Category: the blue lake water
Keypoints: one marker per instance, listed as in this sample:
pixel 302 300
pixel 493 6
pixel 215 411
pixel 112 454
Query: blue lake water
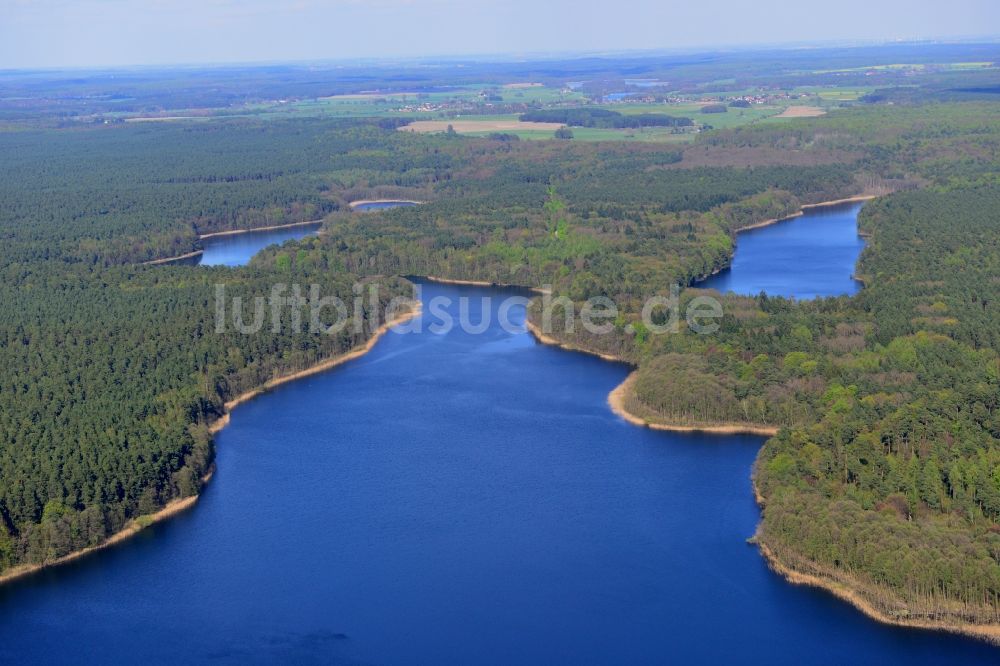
pixel 453 498
pixel 805 257
pixel 237 249
pixel 383 205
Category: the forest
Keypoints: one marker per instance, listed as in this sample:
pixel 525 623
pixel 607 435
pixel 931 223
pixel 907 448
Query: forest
pixel 111 372
pixel 886 402
pixel 110 380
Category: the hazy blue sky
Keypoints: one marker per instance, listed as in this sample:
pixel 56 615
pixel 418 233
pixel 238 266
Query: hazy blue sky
pixel 47 33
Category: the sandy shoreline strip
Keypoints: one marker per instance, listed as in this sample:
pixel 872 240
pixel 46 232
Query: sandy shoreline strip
pixel 769 222
pixel 133 527
pixel 275 227
pixel 989 632
pixel 617 397
pixel 483 283
pixel 364 202
pixel 802 209
pixel 167 260
pixel 231 232
pixel 322 366
pixel 549 340
pixel 834 202
pixel 177 506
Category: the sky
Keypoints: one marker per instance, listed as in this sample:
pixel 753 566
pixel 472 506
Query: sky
pixel 84 33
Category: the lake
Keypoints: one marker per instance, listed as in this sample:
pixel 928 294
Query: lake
pixel 803 257
pixel 454 498
pixel 237 249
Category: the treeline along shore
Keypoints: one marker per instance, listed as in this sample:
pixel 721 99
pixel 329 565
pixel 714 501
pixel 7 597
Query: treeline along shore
pixel 180 504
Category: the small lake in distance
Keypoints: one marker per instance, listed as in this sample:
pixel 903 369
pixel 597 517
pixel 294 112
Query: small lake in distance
pixel 803 257
pixel 237 249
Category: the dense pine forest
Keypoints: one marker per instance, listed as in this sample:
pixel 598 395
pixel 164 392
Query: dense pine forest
pixel 885 474
pixel 111 371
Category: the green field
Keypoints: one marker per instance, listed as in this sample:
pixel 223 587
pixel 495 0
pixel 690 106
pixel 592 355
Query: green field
pixel 408 104
pixel 481 101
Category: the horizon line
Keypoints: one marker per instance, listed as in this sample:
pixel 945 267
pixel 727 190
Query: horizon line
pixel 525 56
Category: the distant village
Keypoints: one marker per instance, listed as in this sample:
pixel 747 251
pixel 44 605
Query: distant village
pixel 490 102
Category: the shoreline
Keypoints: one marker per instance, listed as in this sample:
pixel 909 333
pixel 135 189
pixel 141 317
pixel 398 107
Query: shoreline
pixel 361 202
pixel 851 595
pixel 326 364
pixel 549 340
pixel 482 283
pixel 179 257
pixel 616 400
pixel 802 209
pixel 775 220
pixel 835 202
pixel 179 505
pixel 231 232
pixel 275 227
pixel 132 527
pixel 844 592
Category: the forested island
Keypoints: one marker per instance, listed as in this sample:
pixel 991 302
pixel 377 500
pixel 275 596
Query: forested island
pixel 883 477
